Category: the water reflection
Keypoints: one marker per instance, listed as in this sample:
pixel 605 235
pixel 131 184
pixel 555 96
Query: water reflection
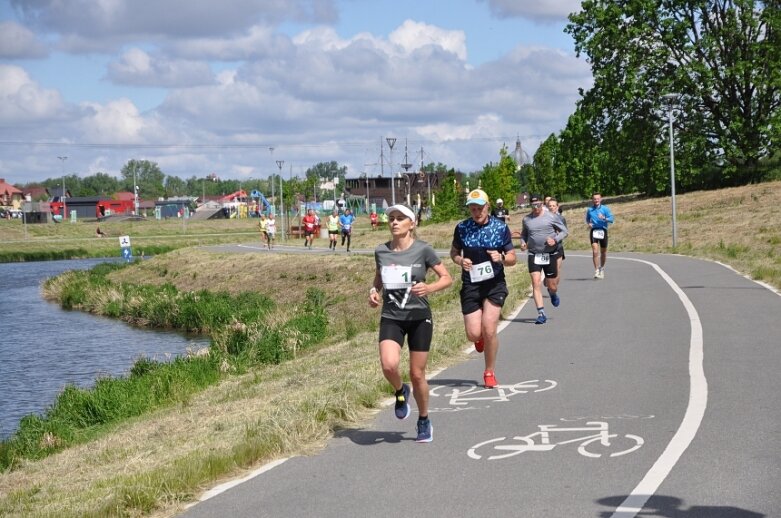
pixel 43 348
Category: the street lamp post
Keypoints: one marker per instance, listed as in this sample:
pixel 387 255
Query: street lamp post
pixel 671 100
pixel 135 191
pixel 391 142
pixel 280 163
pixel 62 196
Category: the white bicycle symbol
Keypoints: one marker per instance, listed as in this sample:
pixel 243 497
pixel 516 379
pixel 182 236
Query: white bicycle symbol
pixel 459 396
pixel 598 436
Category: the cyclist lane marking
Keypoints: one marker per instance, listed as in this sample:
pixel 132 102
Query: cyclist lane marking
pixel 695 409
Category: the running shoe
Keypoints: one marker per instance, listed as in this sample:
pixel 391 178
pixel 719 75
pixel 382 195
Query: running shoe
pixel 489 379
pixel 479 345
pixel 425 431
pixel 541 319
pixel 555 300
pixel 601 273
pixel 596 274
pixel 402 402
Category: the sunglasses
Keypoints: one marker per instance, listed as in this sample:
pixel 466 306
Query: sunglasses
pixel 537 205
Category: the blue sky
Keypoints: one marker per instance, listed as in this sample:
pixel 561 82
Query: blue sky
pixel 204 90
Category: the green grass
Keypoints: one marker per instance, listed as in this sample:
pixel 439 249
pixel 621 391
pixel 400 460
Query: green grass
pixel 241 335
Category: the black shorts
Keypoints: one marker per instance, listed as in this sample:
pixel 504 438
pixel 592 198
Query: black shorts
pixel 602 242
pixel 473 295
pixel 308 233
pixel 551 269
pixel 333 232
pixel 346 231
pixel 418 332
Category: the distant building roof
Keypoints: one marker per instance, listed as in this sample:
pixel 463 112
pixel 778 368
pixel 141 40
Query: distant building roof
pixel 6 189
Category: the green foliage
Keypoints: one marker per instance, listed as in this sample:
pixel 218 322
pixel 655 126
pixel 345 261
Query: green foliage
pixel 79 414
pixel 449 201
pixel 723 58
pixel 500 180
pixel 241 336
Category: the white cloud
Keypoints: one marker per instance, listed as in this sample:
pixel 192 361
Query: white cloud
pixel 19 42
pixel 116 122
pixel 413 35
pixel 136 67
pixel 129 19
pixel 23 101
pixel 541 11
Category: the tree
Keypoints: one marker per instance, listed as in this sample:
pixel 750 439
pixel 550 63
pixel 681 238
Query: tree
pixel 148 176
pixel 500 180
pixel 547 174
pixel 722 56
pixel 99 184
pixel 449 204
pixel 175 186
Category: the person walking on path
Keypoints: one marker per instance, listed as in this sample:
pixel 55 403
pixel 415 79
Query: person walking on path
pixel 271 230
pixel 263 230
pixel 598 217
pixel 309 221
pixel 482 247
pixel 401 266
pixel 333 229
pixel 500 212
pixel 541 234
pixel 346 221
pixel 553 207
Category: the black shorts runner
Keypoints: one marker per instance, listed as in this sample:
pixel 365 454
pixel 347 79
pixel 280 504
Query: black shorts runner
pixel 551 269
pixel 602 242
pixel 418 332
pixel 333 232
pixel 473 295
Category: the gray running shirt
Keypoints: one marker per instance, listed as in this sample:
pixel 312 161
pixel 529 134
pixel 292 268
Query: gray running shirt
pixel 537 230
pixel 400 270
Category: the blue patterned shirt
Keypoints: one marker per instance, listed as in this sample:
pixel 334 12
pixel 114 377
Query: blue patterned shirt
pixel 475 240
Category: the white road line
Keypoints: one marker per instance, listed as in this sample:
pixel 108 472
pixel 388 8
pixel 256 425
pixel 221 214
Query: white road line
pixel 695 410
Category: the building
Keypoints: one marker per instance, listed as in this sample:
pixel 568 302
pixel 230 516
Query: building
pixel 10 196
pixel 409 188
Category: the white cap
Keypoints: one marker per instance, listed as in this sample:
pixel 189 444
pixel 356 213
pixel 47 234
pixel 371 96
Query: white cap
pixel 403 209
pixel 499 201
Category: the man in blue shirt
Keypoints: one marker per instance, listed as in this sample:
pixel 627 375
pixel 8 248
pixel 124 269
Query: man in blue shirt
pixel 346 221
pixel 598 217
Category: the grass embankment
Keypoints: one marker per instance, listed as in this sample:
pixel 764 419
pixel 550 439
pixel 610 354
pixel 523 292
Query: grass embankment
pixel 151 463
pixel 48 241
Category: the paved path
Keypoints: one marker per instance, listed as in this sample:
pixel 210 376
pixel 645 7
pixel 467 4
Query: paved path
pixel 669 361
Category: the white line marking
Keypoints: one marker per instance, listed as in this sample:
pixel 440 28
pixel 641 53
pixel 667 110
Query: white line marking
pixel 233 483
pixel 695 410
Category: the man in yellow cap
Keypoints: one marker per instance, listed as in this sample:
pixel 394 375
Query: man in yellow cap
pixel 482 247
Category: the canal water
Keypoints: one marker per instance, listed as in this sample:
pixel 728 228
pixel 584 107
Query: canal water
pixel 43 347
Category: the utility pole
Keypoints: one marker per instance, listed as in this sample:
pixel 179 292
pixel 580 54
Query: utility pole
pixel 671 100
pixel 280 163
pixel 406 165
pixel 62 198
pixel 391 142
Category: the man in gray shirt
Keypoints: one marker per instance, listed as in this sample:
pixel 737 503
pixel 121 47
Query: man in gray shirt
pixel 541 234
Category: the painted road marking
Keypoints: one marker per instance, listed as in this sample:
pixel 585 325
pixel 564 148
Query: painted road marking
pixel 597 434
pixel 695 410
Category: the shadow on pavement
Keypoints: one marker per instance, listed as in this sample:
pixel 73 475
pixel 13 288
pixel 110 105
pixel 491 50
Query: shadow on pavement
pixel 371 437
pixel 672 507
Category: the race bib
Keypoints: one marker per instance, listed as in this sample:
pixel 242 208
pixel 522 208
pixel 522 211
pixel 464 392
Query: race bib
pixel 396 277
pixel 542 259
pixel 598 233
pixel 481 272
pixel 346 227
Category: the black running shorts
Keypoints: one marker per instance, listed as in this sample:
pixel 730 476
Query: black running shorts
pixel 418 332
pixel 473 295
